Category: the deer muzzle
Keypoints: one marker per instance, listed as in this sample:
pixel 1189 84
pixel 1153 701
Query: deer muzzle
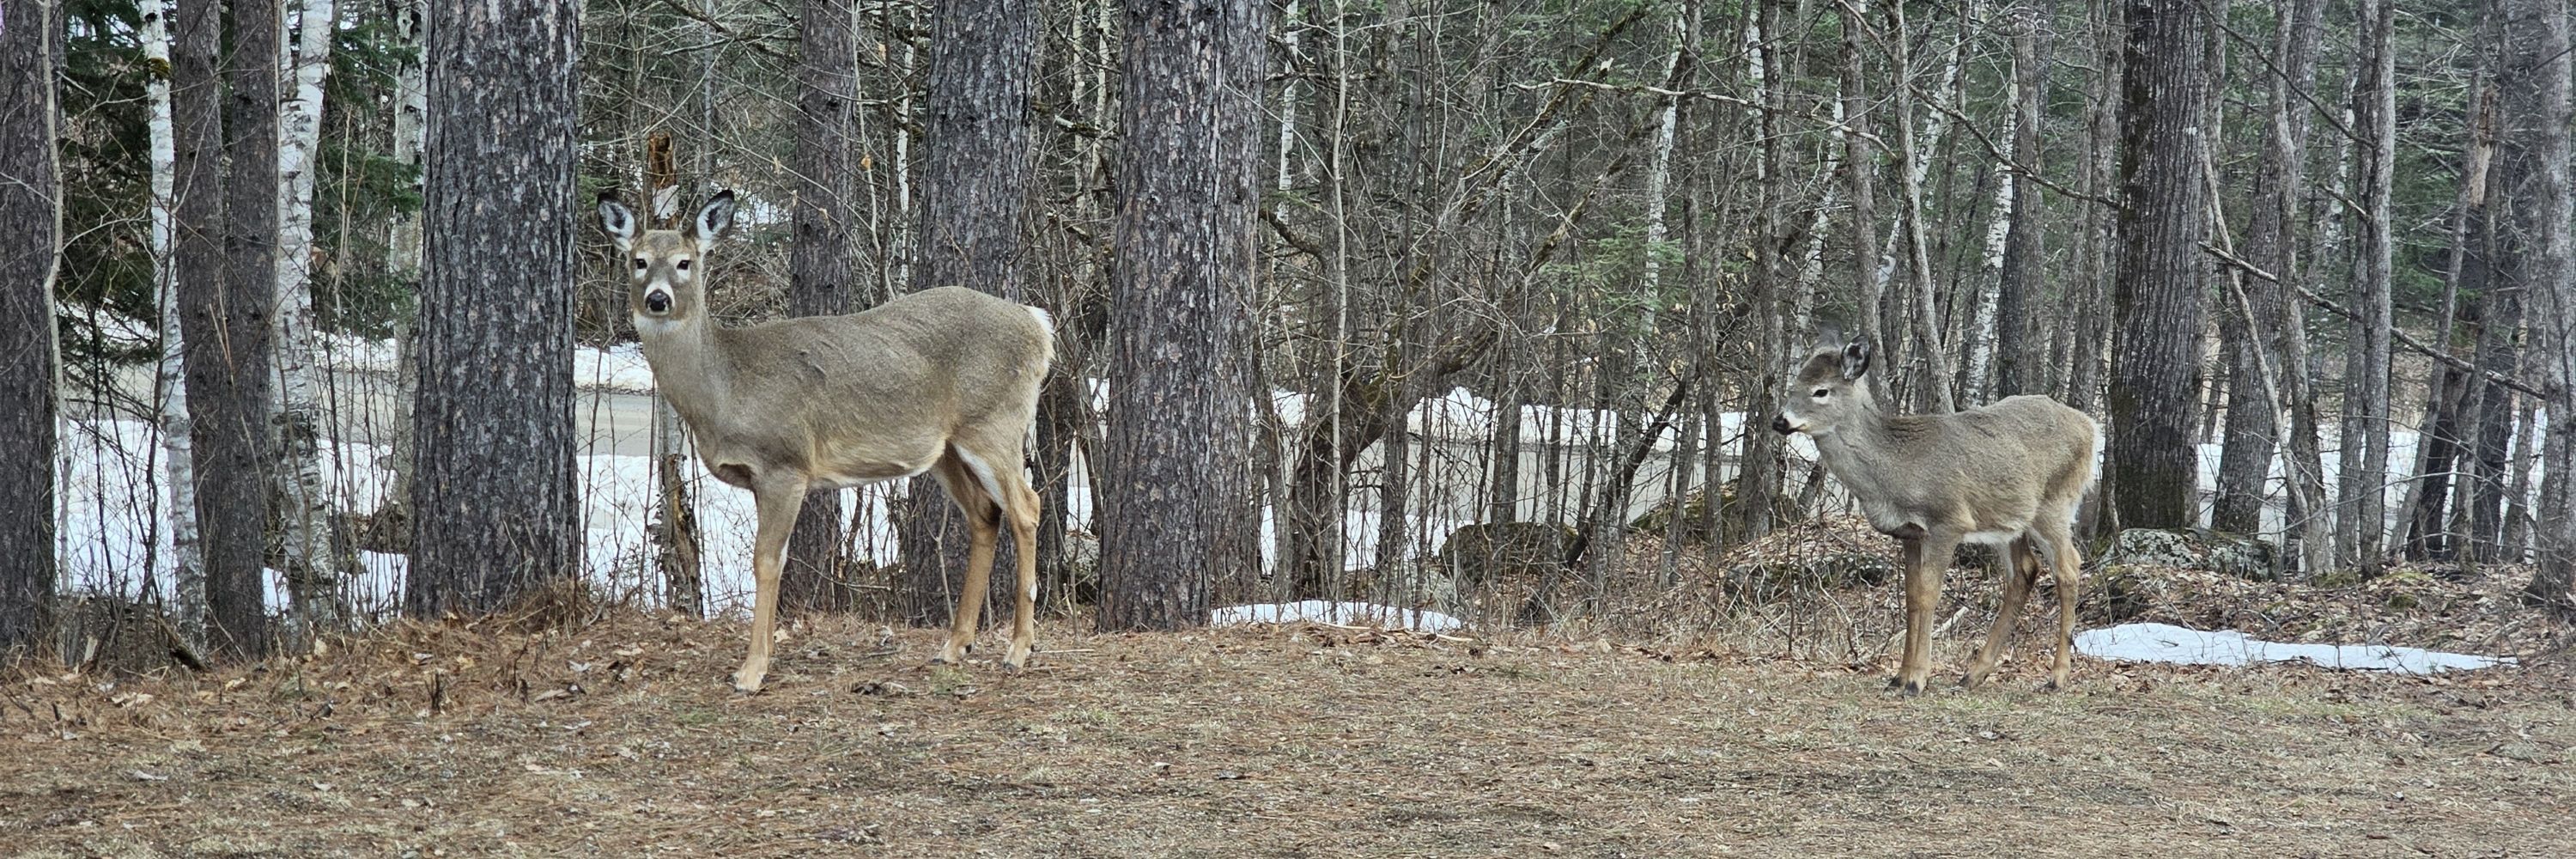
pixel 1780 424
pixel 657 301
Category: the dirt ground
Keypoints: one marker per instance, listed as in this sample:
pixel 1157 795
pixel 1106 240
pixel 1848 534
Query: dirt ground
pixel 619 738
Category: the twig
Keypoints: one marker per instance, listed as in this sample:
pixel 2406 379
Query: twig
pixel 2006 159
pixel 2398 333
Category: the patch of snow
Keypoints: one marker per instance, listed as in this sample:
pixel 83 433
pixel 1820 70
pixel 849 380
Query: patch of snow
pixel 619 367
pixel 1343 613
pixel 2159 642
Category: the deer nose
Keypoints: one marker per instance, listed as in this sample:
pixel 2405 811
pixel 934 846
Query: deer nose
pixel 1780 424
pixel 657 302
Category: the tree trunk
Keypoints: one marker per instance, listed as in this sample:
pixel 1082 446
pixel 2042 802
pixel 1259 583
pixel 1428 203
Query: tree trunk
pixel 2248 441
pixel 2536 115
pixel 497 520
pixel 2155 380
pixel 2362 492
pixel 2017 358
pixel 227 276
pixel 314 561
pixel 819 270
pixel 1177 457
pixel 2086 343
pixel 974 183
pixel 402 253
pixel 1860 166
pixel 30 361
pixel 170 390
pixel 1758 474
pixel 1934 394
pixel 2447 396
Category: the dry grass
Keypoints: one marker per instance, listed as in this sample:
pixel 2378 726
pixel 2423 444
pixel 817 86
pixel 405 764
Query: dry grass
pixel 619 738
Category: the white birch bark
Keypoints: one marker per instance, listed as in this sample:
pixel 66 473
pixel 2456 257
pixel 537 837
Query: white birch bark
pixel 1659 176
pixel 1288 25
pixel 1981 329
pixel 312 558
pixel 187 562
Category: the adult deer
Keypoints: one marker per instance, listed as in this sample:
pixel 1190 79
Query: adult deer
pixel 2008 474
pixel 943 381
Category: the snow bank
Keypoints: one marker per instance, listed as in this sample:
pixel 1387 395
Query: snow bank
pixel 619 367
pixel 1344 613
pixel 2158 642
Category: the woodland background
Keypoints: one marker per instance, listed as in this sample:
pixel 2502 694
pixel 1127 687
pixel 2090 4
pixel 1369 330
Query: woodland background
pixel 1474 299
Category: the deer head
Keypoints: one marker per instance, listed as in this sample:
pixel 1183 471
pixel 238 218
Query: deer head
pixel 1828 391
pixel 665 279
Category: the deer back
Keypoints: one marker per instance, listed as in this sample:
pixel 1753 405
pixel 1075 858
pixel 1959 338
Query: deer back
pixel 1986 470
pixel 879 393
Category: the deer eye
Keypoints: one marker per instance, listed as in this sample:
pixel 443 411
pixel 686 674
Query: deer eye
pixel 683 264
pixel 1820 393
pixel 639 263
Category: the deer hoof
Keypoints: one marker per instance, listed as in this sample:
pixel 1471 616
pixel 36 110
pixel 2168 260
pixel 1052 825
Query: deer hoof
pixel 747 684
pixel 1906 687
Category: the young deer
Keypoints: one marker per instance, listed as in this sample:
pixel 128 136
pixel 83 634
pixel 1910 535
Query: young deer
pixel 2008 474
pixel 943 381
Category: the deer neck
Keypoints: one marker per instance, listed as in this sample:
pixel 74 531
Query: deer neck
pixel 1861 453
pixel 688 367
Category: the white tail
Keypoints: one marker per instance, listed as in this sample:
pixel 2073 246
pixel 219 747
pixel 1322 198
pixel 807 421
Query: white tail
pixel 2008 474
pixel 943 381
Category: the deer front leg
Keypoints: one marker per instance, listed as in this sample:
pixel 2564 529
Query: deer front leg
pixel 777 501
pixel 1925 560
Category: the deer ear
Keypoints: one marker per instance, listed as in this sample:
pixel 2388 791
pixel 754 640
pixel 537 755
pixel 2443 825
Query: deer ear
pixel 1855 358
pixel 715 216
pixel 616 221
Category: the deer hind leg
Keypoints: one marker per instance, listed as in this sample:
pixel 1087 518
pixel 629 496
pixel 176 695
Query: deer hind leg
pixel 982 521
pixel 777 500
pixel 2060 553
pixel 1022 514
pixel 1926 559
pixel 2019 570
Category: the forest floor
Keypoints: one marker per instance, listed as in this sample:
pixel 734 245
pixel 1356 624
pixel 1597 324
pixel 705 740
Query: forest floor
pixel 620 738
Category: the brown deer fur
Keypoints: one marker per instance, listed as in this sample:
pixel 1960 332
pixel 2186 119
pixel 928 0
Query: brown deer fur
pixel 2009 474
pixel 943 381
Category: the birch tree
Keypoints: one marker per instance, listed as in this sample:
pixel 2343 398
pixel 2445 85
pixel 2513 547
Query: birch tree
pixel 313 555
pixel 402 254
pixel 170 389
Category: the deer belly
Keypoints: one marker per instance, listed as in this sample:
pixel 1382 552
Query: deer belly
pixel 1997 539
pixel 853 478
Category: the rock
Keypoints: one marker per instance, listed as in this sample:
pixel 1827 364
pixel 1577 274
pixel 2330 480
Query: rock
pixel 1082 566
pixel 1694 512
pixel 1410 583
pixel 2238 555
pixel 1768 581
pixel 1488 552
pixel 115 635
